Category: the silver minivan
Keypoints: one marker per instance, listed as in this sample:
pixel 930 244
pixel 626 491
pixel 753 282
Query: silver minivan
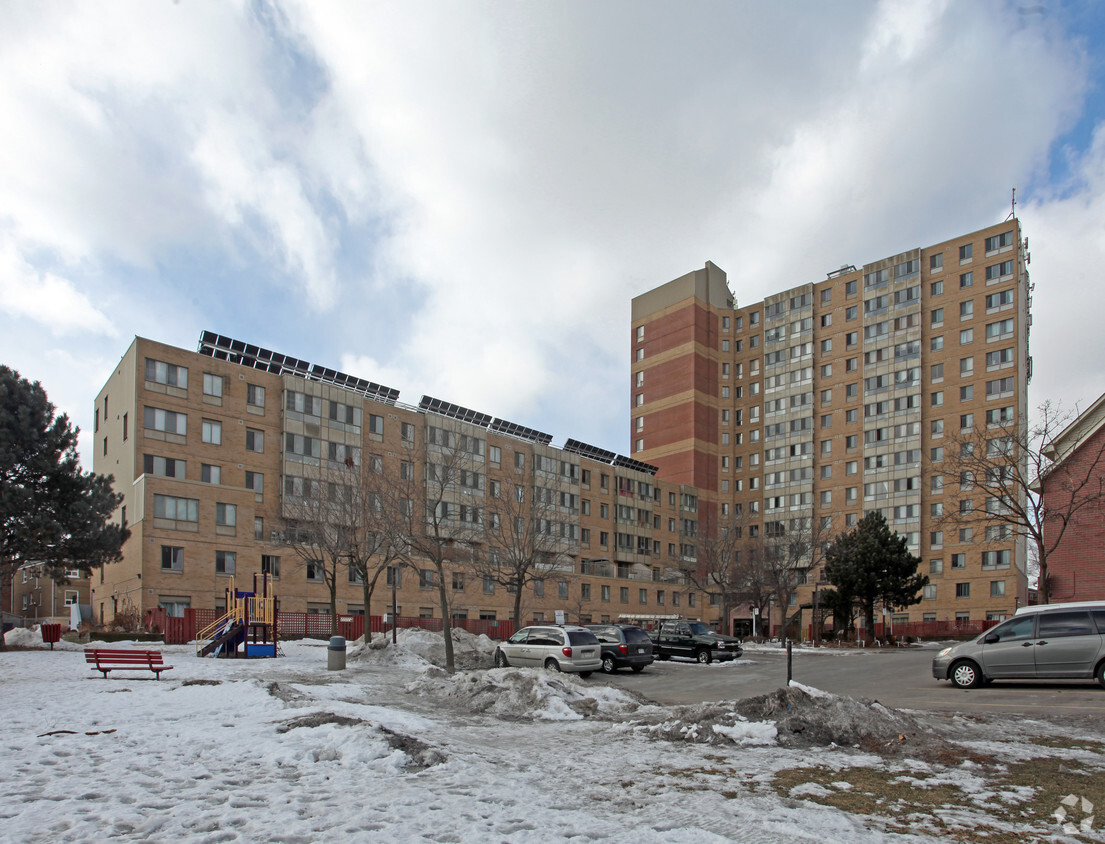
pixel 556 648
pixel 1043 642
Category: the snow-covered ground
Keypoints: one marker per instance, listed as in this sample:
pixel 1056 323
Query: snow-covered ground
pixel 285 750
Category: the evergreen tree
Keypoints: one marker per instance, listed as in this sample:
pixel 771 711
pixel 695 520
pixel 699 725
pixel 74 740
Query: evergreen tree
pixel 872 564
pixel 52 513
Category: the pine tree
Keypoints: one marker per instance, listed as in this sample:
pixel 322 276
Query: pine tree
pixel 873 565
pixel 52 513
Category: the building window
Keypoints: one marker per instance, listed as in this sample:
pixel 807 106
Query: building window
pixel 212 432
pixel 172 558
pixel 226 515
pixel 168 374
pixel 210 474
pixel 270 565
pixel 176 509
pixel 963 590
pixel 166 421
pixel 212 385
pixel 426 578
pixel 255 440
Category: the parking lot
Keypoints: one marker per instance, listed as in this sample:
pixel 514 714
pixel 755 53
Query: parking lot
pixel 898 677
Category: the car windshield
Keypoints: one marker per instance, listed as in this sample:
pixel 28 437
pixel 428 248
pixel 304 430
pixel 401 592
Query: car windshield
pixel 699 629
pixel 636 635
pixel 582 637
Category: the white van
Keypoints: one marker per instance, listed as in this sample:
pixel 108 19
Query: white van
pixel 1042 642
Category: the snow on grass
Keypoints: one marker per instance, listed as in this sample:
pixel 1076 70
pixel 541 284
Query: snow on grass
pixel 285 750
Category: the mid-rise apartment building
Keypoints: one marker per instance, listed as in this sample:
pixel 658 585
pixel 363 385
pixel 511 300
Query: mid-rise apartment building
pixel 214 449
pixel 839 396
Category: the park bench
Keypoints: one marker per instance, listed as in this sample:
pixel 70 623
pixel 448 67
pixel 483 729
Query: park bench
pixel 106 659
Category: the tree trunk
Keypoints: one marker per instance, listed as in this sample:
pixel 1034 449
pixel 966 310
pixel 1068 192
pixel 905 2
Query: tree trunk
pixel 446 622
pixel 517 609
pixel 367 586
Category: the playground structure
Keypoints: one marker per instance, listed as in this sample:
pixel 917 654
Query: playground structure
pixel 248 629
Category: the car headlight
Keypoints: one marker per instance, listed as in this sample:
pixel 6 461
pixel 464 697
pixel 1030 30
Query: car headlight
pixel 944 652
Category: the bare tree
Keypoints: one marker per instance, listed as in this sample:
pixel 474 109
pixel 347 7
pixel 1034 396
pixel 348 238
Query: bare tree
pixel 1004 462
pixel 790 549
pixel 727 563
pixel 525 538
pixel 316 507
pixel 436 517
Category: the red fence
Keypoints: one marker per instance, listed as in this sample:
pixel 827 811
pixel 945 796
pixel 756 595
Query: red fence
pixel 947 629
pixel 300 625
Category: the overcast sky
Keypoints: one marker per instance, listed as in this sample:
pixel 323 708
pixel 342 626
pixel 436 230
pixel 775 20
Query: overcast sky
pixel 461 199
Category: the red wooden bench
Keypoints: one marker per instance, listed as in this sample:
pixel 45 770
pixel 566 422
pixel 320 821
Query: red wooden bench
pixel 106 659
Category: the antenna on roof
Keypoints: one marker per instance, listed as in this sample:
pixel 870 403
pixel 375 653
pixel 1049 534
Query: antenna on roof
pixel 1013 212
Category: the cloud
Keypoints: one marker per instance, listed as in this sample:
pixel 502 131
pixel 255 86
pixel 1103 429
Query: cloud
pixel 462 200
pixel 53 302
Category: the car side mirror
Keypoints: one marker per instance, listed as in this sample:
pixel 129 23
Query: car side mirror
pixel 991 638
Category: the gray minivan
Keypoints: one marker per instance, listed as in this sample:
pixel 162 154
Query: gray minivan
pixel 1043 642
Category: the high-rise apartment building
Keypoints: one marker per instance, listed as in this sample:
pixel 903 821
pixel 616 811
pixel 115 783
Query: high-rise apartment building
pixel 836 397
pixel 215 451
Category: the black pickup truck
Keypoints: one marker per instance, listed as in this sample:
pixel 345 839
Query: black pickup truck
pixel 693 639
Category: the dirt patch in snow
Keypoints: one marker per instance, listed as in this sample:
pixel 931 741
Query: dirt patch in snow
pixel 798 717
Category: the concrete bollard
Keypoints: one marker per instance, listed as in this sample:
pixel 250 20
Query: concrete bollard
pixel 335 654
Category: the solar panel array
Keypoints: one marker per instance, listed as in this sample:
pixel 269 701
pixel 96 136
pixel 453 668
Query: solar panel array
pixel 635 465
pixel 483 420
pixel 235 351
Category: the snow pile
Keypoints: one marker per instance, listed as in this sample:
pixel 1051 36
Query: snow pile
pixel 31 637
pixel 524 694
pixel 415 646
pixel 797 717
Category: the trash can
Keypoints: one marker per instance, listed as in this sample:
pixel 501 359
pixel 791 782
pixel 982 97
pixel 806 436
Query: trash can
pixel 335 654
pixel 51 633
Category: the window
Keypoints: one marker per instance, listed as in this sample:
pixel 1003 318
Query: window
pixel 936 343
pixel 375 424
pixel 998 272
pixel 1000 387
pixel 166 421
pixel 255 395
pixel 168 374
pixel 966 392
pixel 995 559
pixel 936 399
pixel 303 403
pixel 226 515
pixel 936 262
pixel 966 309
pixel 270 564
pixel 176 509
pixel 562 590
pixel 172 558
pixel 963 590
pixel 168 467
pixel 255 440
pixel 930 592
pixel 965 252
pixel 212 385
pixel 937 317
pixel 936 372
pixel 999 330
pixel 406 432
pixel 210 474
pixel 426 578
pixel 959 561
pixel 851 365
pixel 212 432
pixel 255 481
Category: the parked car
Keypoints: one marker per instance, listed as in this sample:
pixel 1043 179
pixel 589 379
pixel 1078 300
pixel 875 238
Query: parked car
pixel 623 646
pixel 553 647
pixel 695 640
pixel 1047 641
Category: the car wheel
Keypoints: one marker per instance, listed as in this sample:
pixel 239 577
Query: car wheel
pixel 704 657
pixel 552 665
pixel 608 665
pixel 584 674
pixel 965 674
pixel 1100 673
pixel 500 660
pixel 637 669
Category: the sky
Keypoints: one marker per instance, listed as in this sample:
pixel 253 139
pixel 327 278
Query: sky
pixel 460 200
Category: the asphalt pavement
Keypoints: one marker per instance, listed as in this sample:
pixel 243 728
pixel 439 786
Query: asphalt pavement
pixel 897 677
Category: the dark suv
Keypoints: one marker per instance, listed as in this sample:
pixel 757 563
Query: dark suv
pixel 623 646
